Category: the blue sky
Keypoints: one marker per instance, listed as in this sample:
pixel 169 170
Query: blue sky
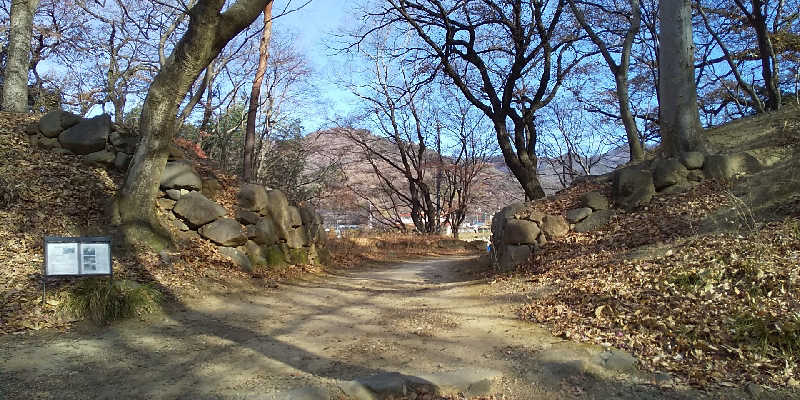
pixel 313 27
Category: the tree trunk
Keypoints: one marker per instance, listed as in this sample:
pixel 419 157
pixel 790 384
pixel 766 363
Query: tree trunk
pixel 15 80
pixel 248 170
pixel 680 128
pixel 631 130
pixel 523 166
pixel 208 32
pixel 769 68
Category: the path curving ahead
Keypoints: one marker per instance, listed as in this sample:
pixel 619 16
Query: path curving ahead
pixel 366 333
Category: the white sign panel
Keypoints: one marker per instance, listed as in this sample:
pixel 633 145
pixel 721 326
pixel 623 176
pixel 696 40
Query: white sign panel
pixel 62 259
pixel 77 256
pixel 95 259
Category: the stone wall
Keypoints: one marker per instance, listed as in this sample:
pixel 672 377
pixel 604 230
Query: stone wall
pixel 266 232
pixel 519 229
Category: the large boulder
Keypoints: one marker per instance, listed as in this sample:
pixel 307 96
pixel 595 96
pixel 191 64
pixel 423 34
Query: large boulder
pixel 102 158
pixel 517 231
pixel 255 253
pixel 55 122
pixel 669 172
pixel 633 188
pixel 578 214
pixel 88 136
pixel 197 210
pixel 225 232
pixel 240 259
pixel 510 256
pixel 247 217
pixel 594 221
pixel 278 209
pixel 554 226
pixel 594 200
pixel 295 219
pixel 693 159
pixel 727 166
pixel 312 222
pixel 124 144
pixel 211 187
pixel 266 232
pixel 252 197
pixel 180 175
pixel 121 161
pixel 297 238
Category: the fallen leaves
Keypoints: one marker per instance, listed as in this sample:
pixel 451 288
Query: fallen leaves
pixel 708 309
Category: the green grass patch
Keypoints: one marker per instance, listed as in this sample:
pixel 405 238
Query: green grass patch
pixel 102 302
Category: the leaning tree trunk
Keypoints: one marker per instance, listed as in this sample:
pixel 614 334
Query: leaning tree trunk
pixel 15 76
pixel 208 32
pixel 249 170
pixel 522 165
pixel 680 128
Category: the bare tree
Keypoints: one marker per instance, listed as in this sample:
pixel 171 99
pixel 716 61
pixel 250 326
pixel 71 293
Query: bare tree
pixel 632 17
pixel 508 59
pixel 248 169
pixel 208 31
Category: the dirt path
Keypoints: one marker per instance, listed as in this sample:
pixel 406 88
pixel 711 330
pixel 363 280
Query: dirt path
pixel 306 339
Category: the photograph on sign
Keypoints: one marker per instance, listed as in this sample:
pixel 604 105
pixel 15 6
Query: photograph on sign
pixel 62 259
pixel 95 258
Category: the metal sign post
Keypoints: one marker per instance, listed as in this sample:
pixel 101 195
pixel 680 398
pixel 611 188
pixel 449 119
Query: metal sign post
pixel 76 256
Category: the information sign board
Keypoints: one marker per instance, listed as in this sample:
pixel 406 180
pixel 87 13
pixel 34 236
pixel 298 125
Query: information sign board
pixel 77 256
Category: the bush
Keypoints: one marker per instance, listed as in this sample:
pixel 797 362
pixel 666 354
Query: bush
pixel 102 302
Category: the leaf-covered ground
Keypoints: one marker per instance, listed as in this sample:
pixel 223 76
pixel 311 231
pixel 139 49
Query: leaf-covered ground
pixel 47 193
pixel 713 308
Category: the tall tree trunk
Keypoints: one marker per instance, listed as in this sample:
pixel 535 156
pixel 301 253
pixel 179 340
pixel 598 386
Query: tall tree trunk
pixel 769 67
pixel 15 80
pixel 680 128
pixel 248 170
pixel 631 130
pixel 522 165
pixel 208 32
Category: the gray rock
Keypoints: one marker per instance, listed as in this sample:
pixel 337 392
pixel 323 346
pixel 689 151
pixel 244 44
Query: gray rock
pixel 594 221
pixel 121 161
pixel 48 143
pixel 633 187
pixel 211 187
pixel 165 204
pixel 125 144
pixel 278 210
pixel 305 393
pixel 197 210
pixel 250 231
pixel 32 129
pixel 266 232
pixel 594 200
pixel 102 158
pixel 178 224
pixel 693 160
pixel 554 226
pixel 531 215
pixel 678 187
pixel 470 382
pixel 385 385
pixel 175 153
pixel 512 209
pixel 174 194
pixel 520 232
pixel 238 258
pixel 728 166
pixel 253 197
pixel 541 240
pixel 295 220
pixel 88 136
pixel 312 222
pixel 617 360
pixel 180 175
pixel 510 256
pixel 668 172
pixel 297 238
pixel 695 175
pixel 255 253
pixel 247 217
pixel 225 232
pixel 55 122
pixel 578 214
